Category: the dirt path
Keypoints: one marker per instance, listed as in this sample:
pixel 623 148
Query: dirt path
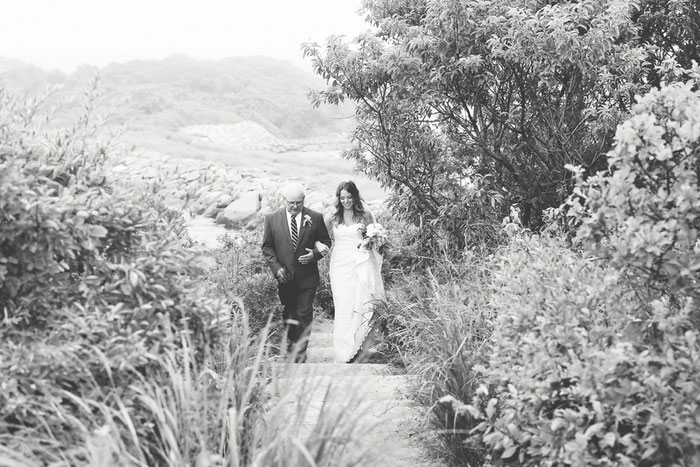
pixel 372 397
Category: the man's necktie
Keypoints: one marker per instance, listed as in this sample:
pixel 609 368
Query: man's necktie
pixel 295 233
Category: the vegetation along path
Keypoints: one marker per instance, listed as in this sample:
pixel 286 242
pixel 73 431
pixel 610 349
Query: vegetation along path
pixel 369 400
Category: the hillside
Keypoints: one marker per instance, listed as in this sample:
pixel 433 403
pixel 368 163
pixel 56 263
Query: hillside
pixel 161 96
pixel 236 114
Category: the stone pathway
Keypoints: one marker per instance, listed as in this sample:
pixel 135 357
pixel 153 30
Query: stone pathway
pixel 387 422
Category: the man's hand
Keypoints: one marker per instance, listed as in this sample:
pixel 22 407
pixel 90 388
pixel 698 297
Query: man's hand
pixel 308 257
pixel 283 276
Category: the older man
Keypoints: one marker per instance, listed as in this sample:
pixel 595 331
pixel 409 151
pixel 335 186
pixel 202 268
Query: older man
pixel 289 248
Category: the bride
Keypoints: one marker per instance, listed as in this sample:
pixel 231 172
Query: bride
pixel 355 273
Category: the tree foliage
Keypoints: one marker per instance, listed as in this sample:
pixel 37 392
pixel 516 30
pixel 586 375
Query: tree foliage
pixel 670 30
pixel 511 90
pixel 598 364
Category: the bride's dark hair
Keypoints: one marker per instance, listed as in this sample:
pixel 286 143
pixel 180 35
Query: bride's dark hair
pixel 358 209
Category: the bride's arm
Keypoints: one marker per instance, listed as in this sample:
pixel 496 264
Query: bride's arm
pixel 328 220
pixel 324 248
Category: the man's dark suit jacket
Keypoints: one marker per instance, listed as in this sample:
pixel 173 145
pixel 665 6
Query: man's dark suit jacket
pixel 277 245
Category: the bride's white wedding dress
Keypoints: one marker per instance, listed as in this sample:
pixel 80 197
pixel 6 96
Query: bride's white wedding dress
pixel 356 283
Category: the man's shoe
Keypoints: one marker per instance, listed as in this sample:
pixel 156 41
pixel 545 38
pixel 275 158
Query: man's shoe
pixel 300 358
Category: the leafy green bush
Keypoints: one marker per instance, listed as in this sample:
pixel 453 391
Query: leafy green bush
pixel 643 216
pixel 95 289
pixel 242 276
pixel 565 382
pixel 324 294
pixel 597 365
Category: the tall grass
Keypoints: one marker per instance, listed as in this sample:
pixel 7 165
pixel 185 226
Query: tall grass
pixel 235 410
pixel 439 320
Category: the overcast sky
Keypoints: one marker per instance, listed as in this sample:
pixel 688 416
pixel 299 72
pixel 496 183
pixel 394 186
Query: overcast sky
pixel 64 34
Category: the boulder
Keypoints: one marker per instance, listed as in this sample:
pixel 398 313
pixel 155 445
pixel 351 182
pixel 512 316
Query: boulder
pixel 224 200
pixel 149 173
pixel 328 211
pixel 209 197
pixel 255 223
pixel 200 191
pixel 241 211
pixel 212 210
pixel 315 200
pixel 266 209
pixel 376 207
pixel 174 204
pixel 191 176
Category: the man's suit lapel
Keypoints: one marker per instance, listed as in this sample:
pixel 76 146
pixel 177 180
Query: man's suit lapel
pixel 285 226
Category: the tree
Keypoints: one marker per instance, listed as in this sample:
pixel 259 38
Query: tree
pixel 509 90
pixel 671 30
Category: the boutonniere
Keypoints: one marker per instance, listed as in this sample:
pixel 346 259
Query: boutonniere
pixel 307 220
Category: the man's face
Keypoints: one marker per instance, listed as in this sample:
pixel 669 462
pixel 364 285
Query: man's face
pixel 294 204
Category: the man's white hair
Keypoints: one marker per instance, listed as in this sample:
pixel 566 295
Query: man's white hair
pixel 292 190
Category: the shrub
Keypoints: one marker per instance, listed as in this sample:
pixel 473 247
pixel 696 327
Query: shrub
pixel 565 384
pixel 596 365
pixel 96 291
pixel 242 276
pixel 643 216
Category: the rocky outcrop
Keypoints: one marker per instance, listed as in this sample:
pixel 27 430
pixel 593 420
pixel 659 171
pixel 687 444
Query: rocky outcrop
pixel 241 211
pixel 235 198
pixel 241 135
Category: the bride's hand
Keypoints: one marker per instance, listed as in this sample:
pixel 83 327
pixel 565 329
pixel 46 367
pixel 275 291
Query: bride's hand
pixel 322 248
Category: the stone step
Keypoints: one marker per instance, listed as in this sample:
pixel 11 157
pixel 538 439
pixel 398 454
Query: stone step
pixel 356 370
pixel 376 405
pixel 321 339
pixel 370 402
pixel 315 354
pixel 322 326
pixel 370 387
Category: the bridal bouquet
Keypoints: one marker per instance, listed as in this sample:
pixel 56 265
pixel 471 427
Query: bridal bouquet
pixel 374 237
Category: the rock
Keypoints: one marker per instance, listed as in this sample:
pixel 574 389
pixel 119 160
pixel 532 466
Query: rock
pixel 255 223
pixel 212 210
pixel 149 172
pixel 224 200
pixel 192 175
pixel 316 200
pixel 174 204
pixel 376 207
pixel 265 210
pixel 328 211
pixel 209 197
pixel 241 211
pixel 200 191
